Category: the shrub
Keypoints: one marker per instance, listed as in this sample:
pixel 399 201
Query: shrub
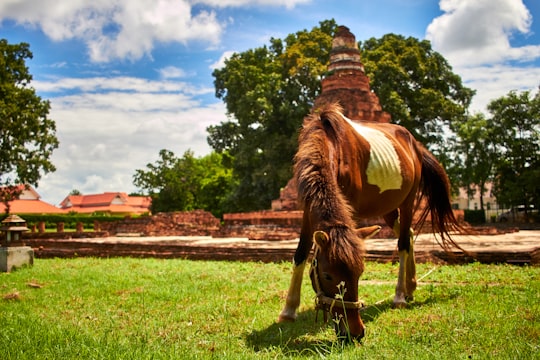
pixel 69 220
pixel 475 216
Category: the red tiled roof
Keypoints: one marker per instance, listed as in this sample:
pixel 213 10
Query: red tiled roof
pixel 93 199
pixel 140 201
pixel 31 207
pixel 28 202
pixel 111 202
pixel 121 209
pixel 27 192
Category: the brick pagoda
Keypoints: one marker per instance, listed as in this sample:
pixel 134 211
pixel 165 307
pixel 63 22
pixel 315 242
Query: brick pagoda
pixel 347 83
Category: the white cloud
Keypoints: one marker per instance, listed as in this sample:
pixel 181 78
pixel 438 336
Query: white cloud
pixel 479 31
pixel 497 80
pixel 118 83
pixel 171 72
pixel 475 37
pixel 122 101
pixel 289 4
pixel 221 62
pixel 108 132
pixel 116 29
pixel 122 29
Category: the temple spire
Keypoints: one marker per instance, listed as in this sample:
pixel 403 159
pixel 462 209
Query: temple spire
pixel 346 82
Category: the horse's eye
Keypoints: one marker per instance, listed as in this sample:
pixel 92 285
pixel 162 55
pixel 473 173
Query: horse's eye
pixel 327 277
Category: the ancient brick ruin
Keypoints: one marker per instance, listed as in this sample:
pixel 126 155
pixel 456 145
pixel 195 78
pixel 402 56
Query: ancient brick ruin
pixel 184 223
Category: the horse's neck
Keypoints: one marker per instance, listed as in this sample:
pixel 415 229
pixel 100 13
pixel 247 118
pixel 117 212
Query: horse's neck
pixel 326 201
pixel 317 171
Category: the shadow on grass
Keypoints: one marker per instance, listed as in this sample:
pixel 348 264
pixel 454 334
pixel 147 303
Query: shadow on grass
pixel 301 337
pixel 371 312
pixel 305 335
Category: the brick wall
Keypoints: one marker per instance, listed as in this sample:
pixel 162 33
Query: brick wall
pixel 181 223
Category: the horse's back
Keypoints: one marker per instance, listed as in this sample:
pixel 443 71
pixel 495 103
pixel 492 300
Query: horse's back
pixel 375 164
pixel 384 167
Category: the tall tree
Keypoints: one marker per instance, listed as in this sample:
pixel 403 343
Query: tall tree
pixel 27 135
pixel 267 92
pixel 516 132
pixel 186 183
pixel 477 155
pixel 416 85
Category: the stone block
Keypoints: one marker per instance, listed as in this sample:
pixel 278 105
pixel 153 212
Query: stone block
pixel 15 257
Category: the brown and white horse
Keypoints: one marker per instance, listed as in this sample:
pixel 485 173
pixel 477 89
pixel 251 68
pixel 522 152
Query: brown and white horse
pixel 346 170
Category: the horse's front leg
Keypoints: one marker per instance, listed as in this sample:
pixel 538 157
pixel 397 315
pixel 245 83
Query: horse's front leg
pixel 299 263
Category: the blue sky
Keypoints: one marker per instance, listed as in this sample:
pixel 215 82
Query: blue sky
pixel 127 78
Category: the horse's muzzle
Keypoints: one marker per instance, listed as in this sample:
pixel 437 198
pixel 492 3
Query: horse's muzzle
pixel 352 330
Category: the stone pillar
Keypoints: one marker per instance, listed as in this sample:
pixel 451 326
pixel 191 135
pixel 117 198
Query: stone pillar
pixel 79 227
pixel 11 254
pixel 15 257
pixel 41 227
pixel 60 227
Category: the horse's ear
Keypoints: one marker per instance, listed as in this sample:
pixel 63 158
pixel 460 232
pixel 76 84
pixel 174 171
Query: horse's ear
pixel 368 232
pixel 321 238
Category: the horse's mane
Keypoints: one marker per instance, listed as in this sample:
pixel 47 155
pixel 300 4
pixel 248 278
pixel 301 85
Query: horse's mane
pixel 320 141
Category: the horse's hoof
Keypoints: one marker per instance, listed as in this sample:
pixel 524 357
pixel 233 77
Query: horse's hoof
pixel 399 301
pixel 400 305
pixel 286 318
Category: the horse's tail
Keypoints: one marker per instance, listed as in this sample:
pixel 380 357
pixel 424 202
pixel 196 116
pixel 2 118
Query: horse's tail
pixel 435 196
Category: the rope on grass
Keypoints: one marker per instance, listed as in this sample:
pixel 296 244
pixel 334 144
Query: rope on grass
pixel 418 280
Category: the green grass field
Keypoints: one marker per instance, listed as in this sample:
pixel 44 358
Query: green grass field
pixel 125 308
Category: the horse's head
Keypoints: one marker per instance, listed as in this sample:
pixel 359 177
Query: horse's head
pixel 336 268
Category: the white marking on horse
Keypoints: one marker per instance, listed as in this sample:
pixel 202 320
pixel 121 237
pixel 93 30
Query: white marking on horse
pixel 384 168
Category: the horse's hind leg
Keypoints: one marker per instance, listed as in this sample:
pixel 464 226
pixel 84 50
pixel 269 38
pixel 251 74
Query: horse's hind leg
pixel 393 220
pixel 410 278
pixel 407 246
pixel 406 284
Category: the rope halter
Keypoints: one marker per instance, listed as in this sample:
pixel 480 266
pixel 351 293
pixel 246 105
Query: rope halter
pixel 325 303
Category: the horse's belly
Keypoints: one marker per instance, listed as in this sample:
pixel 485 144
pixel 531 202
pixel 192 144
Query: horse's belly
pixel 368 202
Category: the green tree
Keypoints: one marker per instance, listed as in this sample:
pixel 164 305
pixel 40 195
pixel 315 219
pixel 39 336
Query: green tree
pixel 267 92
pixel 186 183
pixel 477 155
pixel 416 85
pixel 516 132
pixel 216 185
pixel 27 135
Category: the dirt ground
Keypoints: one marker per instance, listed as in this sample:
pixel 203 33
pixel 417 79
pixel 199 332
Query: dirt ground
pixel 522 247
